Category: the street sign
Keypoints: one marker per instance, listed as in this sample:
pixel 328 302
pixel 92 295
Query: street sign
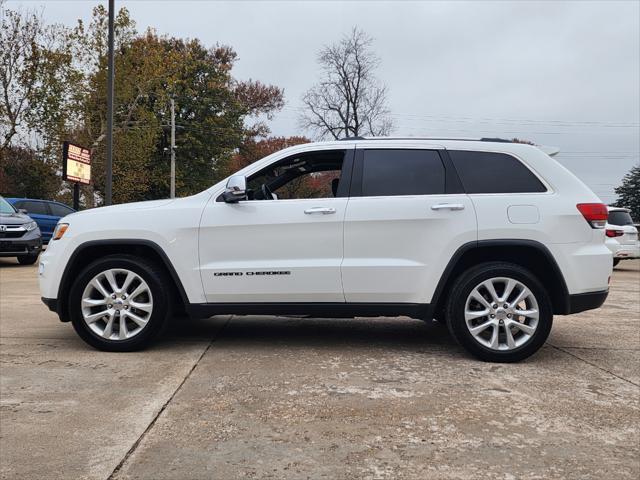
pixel 76 163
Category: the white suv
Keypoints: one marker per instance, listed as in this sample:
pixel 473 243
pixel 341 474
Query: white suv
pixel 622 235
pixel 490 236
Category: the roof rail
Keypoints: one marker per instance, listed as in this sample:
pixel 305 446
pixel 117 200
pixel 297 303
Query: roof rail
pixel 499 140
pixel 458 139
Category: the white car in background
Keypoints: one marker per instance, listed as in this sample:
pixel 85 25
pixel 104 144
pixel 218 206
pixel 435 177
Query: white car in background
pixel 622 235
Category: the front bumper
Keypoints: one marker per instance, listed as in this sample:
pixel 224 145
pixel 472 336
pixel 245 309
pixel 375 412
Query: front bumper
pixel 586 301
pixel 26 245
pixel 51 303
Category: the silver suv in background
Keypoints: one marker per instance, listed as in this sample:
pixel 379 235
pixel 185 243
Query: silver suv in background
pixel 20 236
pixel 622 235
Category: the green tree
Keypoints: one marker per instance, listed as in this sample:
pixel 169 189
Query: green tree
pixel 629 192
pixel 23 174
pixel 53 81
pixel 133 81
pixel 214 111
pixel 253 150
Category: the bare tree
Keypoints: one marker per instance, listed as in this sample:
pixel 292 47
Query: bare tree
pixel 348 101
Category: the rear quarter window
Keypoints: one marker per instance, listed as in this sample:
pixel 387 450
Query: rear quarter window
pixel 489 172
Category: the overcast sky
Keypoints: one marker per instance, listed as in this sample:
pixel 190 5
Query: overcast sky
pixel 558 73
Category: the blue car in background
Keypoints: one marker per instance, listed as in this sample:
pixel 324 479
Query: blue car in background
pixel 46 213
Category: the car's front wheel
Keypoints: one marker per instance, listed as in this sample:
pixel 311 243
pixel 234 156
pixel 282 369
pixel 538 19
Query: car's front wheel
pixel 120 303
pixel 28 259
pixel 499 312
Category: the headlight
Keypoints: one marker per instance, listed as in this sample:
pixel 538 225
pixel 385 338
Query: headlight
pixel 30 226
pixel 61 228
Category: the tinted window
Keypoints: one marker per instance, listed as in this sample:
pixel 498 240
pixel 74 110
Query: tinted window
pixel 59 210
pixel 309 175
pixel 487 172
pixel 37 208
pixel 402 172
pixel 620 218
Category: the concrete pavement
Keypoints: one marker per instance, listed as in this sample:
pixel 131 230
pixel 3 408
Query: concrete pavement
pixel 265 397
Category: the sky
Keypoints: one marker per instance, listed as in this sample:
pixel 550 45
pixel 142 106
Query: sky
pixel 558 73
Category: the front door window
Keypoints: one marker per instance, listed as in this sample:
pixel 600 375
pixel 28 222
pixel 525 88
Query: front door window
pixel 305 176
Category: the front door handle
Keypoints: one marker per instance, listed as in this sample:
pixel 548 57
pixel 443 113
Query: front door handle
pixel 321 210
pixel 447 206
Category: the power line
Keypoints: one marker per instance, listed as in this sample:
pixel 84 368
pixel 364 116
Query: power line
pixel 464 119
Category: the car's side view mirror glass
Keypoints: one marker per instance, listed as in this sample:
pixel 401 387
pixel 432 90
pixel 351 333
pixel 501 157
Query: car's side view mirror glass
pixel 23 211
pixel 236 189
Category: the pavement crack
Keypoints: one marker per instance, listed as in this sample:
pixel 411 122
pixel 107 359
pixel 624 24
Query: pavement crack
pixel 594 365
pixel 606 349
pixel 166 404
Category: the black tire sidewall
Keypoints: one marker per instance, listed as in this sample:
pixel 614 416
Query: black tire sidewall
pixel 456 306
pixel 161 303
pixel 27 259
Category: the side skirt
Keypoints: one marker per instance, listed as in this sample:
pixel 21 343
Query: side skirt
pixel 319 310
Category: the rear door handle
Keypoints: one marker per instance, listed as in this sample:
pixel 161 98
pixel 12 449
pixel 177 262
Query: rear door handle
pixel 447 206
pixel 321 210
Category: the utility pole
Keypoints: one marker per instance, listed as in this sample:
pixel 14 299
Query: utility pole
pixel 76 196
pixel 173 149
pixel 109 159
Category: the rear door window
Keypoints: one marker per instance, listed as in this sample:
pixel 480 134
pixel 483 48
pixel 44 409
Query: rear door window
pixel 36 208
pixel 388 172
pixel 489 172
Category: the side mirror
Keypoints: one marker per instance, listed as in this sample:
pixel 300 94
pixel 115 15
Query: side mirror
pixel 23 211
pixel 236 189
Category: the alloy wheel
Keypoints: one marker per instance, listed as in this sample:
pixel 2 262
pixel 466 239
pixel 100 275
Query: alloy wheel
pixel 501 313
pixel 117 304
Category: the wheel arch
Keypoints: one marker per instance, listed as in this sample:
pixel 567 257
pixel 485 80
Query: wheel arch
pixel 89 251
pixel 529 254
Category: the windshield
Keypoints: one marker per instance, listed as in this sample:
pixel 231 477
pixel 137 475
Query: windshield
pixel 620 218
pixel 5 207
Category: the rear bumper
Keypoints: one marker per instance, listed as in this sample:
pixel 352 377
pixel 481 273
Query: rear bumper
pixel 627 251
pixel 586 267
pixel 586 301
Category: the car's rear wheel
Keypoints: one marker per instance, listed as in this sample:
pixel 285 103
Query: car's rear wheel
pixel 28 259
pixel 499 312
pixel 120 303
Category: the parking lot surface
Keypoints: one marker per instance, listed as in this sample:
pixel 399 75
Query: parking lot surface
pixel 266 397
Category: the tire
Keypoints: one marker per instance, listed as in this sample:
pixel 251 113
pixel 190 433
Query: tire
pixel 616 261
pixel 27 259
pixel 153 305
pixel 501 346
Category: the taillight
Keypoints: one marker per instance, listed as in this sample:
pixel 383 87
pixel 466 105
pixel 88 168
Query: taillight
pixel 595 214
pixel 611 233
